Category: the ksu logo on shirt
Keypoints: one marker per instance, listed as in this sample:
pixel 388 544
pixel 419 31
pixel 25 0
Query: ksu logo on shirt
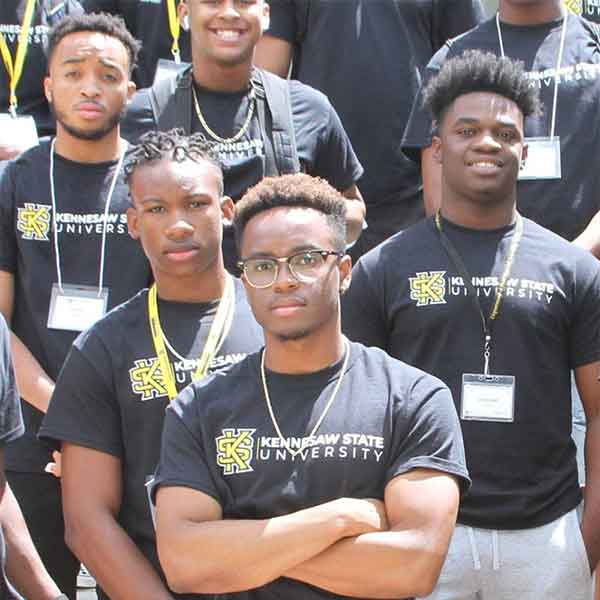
pixel 33 221
pixel 239 450
pixel 148 382
pixel 428 287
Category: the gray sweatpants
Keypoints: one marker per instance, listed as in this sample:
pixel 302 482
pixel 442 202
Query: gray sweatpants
pixel 541 563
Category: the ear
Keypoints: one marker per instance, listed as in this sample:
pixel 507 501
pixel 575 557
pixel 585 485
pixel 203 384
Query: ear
pixel 183 14
pixel 345 267
pixel 266 17
pixel 227 210
pixel 132 223
pixel 131 89
pixel 436 148
pixel 524 154
pixel 48 88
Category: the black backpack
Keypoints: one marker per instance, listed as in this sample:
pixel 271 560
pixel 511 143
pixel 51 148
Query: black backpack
pixel 171 100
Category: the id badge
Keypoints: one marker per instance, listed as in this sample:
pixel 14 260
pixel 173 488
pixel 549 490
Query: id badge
pixel 19 132
pixel 167 69
pixel 76 307
pixel 543 159
pixel 488 398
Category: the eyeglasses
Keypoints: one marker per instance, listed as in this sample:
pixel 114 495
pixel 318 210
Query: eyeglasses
pixel 303 266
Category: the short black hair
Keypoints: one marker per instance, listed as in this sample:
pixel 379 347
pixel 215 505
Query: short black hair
pixel 476 71
pixel 109 25
pixel 298 190
pixel 172 145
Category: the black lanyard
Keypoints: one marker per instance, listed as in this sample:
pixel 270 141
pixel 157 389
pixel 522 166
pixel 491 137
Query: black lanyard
pixel 463 272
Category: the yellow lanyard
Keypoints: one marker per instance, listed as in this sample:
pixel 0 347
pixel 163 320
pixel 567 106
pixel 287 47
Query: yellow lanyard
pixel 15 69
pixel 218 332
pixel 175 29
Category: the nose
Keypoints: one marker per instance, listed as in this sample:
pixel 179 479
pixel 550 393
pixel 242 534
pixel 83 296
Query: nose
pixel 488 143
pixel 285 279
pixel 228 10
pixel 90 87
pixel 179 230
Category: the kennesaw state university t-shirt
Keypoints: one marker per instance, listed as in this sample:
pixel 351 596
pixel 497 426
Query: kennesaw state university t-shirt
pixel 27 251
pixel 589 9
pixel 111 394
pixel 372 83
pixel 386 419
pixel 407 297
pixel 564 206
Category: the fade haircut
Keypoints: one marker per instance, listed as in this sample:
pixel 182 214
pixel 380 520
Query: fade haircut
pixel 298 190
pixel 104 23
pixel 172 145
pixel 476 71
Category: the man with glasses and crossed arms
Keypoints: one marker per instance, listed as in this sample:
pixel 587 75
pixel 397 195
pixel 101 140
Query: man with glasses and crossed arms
pixel 315 468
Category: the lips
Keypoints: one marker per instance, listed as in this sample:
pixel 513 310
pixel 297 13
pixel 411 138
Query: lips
pixel 486 163
pixel 181 253
pixel 287 306
pixel 89 110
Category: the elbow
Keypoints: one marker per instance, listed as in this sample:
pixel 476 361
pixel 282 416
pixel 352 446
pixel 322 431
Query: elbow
pixel 427 572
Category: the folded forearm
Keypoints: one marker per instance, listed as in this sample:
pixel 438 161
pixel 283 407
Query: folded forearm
pixel 232 555
pixel 391 564
pixel 24 567
pixel 35 386
pixel 591 516
pixel 121 570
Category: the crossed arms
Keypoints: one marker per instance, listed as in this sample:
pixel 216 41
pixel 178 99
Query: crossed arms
pixel 354 547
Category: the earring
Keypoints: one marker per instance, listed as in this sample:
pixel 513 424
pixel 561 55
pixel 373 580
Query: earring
pixel 186 23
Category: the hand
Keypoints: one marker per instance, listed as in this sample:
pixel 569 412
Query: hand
pixel 54 467
pixel 361 515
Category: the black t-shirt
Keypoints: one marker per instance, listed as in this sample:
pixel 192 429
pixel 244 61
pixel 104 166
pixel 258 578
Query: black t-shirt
pixel 324 149
pixel 111 394
pixel 148 21
pixel 386 419
pixel 30 91
pixel 11 427
pixel 27 251
pixel 564 206
pixel 407 297
pixel 373 82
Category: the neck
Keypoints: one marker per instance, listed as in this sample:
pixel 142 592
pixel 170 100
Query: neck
pixel 89 151
pixel 307 355
pixel 478 215
pixel 195 288
pixel 533 13
pixel 219 78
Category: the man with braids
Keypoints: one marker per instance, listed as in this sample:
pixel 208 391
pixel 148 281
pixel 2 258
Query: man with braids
pixel 315 469
pixel 65 256
pixel 108 407
pixel 501 310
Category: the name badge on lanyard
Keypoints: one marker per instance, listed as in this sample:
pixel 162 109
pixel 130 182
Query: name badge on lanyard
pixel 543 159
pixel 18 132
pixel 488 398
pixel 543 153
pixel 76 307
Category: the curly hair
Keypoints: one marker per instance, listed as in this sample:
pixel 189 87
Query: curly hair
pixel 173 145
pixel 476 71
pixel 298 190
pixel 109 25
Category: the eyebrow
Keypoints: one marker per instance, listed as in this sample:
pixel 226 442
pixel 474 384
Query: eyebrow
pixel 79 60
pixel 294 250
pixel 474 121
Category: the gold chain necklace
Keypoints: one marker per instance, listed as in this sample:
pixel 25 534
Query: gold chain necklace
pixel 323 414
pixel 215 136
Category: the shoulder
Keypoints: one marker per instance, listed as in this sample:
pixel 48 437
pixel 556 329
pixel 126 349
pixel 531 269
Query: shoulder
pixel 305 98
pixel 117 323
pixel 480 36
pixel 217 389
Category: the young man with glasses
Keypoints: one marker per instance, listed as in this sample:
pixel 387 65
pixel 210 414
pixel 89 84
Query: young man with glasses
pixel 315 468
pixel 108 407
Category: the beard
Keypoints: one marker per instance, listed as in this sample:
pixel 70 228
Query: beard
pixel 293 336
pixel 88 134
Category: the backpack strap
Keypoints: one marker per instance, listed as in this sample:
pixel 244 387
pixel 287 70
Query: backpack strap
pixel 171 99
pixel 276 123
